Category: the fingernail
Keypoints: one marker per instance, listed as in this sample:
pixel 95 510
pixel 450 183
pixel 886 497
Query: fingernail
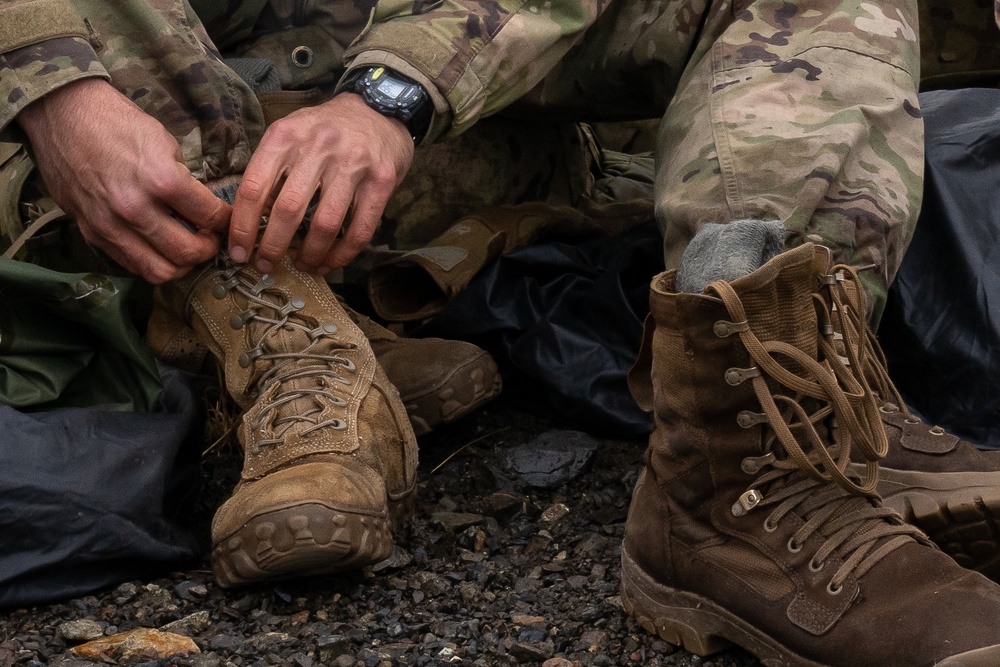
pixel 238 254
pixel 264 266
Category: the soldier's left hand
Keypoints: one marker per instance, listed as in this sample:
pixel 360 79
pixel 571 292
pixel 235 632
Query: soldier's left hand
pixel 351 155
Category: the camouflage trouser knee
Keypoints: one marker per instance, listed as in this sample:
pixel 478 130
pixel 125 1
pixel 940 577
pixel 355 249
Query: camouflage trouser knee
pixel 803 113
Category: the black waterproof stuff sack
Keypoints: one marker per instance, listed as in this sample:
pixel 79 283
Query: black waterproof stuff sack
pixel 941 328
pixel 87 496
pixel 569 317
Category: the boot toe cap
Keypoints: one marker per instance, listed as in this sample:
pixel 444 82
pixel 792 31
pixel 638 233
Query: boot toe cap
pixel 315 518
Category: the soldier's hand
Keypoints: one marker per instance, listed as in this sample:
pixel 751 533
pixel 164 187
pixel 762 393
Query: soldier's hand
pixel 120 175
pixel 351 155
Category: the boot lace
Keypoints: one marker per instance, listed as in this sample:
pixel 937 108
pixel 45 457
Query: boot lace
pixel 805 472
pixel 304 376
pixel 849 329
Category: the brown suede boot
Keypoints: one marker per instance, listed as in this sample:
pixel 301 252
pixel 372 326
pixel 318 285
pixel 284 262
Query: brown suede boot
pixel 934 479
pixel 744 528
pixel 438 380
pixel 329 456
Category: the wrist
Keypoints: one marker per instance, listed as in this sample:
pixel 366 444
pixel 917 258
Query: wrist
pixel 393 95
pixel 59 103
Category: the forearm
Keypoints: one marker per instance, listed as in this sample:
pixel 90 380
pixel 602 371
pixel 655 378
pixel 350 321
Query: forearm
pixel 43 46
pixel 474 58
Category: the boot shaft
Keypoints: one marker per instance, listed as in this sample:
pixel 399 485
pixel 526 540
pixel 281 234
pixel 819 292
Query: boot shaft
pixel 696 375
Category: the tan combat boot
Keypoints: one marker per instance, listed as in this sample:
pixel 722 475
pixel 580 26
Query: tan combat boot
pixel 744 528
pixel 329 456
pixel 934 479
pixel 438 380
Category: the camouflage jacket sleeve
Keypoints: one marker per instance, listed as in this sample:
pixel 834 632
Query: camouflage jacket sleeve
pixel 43 45
pixel 474 56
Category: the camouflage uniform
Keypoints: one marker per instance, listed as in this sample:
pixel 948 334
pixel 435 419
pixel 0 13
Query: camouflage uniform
pixel 804 114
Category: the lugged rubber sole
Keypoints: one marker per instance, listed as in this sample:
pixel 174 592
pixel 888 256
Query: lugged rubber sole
pixel 703 627
pixel 959 511
pixel 307 539
pixel 467 388
pixel 696 623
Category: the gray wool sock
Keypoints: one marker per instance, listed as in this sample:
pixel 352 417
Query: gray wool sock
pixel 727 252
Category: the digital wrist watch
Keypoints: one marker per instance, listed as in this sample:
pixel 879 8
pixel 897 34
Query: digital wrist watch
pixel 392 94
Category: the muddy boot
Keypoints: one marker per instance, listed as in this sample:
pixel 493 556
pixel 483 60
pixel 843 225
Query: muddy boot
pixel 329 456
pixel 938 482
pixel 744 528
pixel 438 380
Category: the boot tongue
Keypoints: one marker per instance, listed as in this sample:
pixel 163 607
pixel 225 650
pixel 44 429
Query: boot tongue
pixel 293 338
pixel 727 252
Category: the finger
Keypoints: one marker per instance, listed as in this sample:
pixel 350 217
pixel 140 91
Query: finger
pixel 252 196
pixel 130 251
pixel 287 213
pixel 369 204
pixel 171 239
pixel 194 202
pixel 326 223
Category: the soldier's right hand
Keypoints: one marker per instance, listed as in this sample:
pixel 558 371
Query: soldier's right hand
pixel 120 175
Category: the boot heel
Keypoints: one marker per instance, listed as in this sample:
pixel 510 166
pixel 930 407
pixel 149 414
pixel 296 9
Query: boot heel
pixel 678 618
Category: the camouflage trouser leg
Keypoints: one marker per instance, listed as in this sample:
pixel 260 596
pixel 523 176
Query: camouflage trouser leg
pixel 805 113
pixel 809 117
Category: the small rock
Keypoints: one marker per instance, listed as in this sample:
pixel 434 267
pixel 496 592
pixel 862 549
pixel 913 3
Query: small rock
pixel 206 660
pixel 535 652
pixel 554 513
pixel 444 628
pixel 598 638
pixel 430 583
pixel 125 592
pixel 346 660
pixel 190 625
pixel 525 619
pixel 135 645
pixel 300 617
pixel 398 559
pixel 191 591
pixel 531 635
pixel 229 643
pixel 83 630
pixel 551 459
pixel 557 662
pixel 332 647
pixel 456 521
pixel 502 504
pixel 527 584
pixel 591 546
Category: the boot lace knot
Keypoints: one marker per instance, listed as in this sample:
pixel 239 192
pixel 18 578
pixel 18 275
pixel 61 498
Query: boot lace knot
pixel 816 410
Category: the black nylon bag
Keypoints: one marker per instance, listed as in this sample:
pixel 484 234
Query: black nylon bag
pixel 941 327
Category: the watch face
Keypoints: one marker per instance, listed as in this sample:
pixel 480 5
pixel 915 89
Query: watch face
pixel 390 87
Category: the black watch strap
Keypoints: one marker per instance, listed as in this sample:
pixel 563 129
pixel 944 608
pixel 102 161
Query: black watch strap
pixel 392 94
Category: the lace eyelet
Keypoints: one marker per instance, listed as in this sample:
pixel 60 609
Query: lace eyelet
pixel 886 409
pixel 936 430
pixel 816 567
pixel 770 527
pixel 911 420
pixel 793 546
pixel 833 590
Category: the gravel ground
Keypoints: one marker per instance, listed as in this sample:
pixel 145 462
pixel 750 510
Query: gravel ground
pixel 489 572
